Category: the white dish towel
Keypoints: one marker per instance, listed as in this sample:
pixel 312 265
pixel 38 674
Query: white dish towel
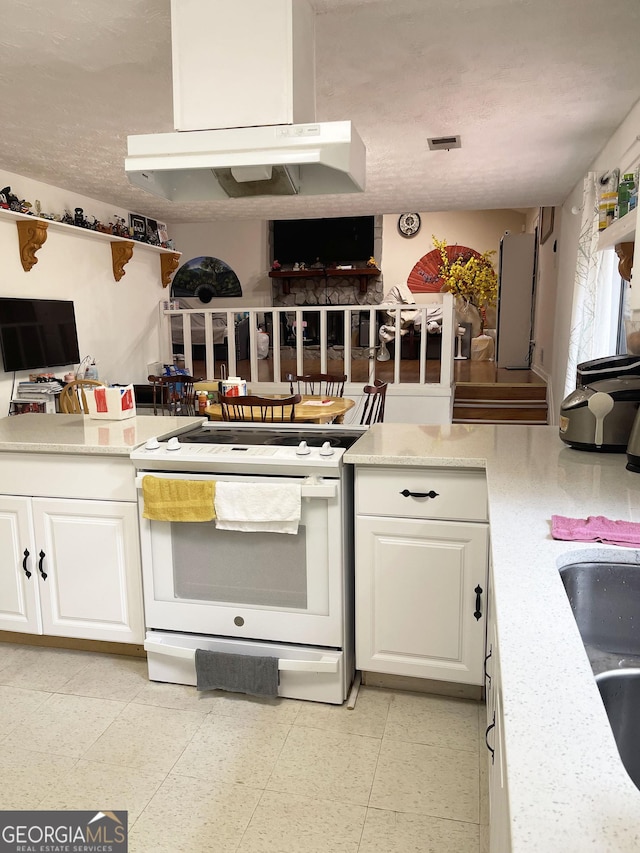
pixel 258 507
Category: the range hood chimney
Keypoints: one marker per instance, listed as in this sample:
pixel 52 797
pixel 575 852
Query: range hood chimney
pixel 244 109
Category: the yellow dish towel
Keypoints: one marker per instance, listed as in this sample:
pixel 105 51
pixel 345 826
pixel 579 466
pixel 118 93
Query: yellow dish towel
pixel 178 500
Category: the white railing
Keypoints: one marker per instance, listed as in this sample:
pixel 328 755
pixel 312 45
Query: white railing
pixel 334 339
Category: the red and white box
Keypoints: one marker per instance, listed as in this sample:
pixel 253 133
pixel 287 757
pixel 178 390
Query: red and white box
pixel 111 404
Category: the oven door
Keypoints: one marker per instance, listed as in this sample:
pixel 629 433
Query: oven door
pixel 266 586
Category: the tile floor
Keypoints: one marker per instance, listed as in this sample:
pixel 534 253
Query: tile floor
pixel 401 773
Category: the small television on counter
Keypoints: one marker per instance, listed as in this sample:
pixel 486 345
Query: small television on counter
pixel 37 333
pixel 339 240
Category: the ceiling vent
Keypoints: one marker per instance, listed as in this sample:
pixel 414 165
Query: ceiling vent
pixel 442 143
pixel 244 109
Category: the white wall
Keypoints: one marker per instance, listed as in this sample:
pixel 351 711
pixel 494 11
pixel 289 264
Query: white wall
pixel 622 150
pixel 478 229
pixel 240 244
pixel 117 321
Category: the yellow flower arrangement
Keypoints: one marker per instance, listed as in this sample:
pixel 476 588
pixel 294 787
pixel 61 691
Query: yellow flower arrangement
pixel 471 278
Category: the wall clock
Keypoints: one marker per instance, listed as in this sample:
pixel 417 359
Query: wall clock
pixel 409 224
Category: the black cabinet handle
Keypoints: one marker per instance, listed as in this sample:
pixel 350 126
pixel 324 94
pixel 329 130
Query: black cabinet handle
pixel 407 494
pixel 486 736
pixel 42 555
pixel 478 592
pixel 487 677
pixel 24 564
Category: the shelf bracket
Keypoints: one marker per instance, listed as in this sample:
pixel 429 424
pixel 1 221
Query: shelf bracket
pixel 31 236
pixel 624 251
pixel 168 265
pixel 121 254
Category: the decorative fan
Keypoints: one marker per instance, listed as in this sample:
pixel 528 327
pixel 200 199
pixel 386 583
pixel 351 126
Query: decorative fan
pixel 425 276
pixel 205 278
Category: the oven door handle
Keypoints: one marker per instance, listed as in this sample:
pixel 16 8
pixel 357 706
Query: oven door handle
pixel 307 490
pixel 325 664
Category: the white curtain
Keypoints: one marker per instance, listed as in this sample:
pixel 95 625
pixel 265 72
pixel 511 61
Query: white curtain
pixel 593 291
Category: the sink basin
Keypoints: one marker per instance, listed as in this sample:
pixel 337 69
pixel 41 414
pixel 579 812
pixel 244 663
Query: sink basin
pixel 620 691
pixel 605 599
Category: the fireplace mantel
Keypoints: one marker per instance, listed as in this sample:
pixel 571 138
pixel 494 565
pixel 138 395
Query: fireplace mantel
pixel 361 273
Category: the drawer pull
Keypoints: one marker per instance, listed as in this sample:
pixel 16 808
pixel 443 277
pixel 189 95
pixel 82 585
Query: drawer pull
pixel 42 555
pixel 486 737
pixel 407 494
pixel 478 592
pixel 24 563
pixel 487 677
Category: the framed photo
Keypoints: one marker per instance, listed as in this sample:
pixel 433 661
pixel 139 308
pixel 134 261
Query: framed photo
pixel 546 223
pixel 138 226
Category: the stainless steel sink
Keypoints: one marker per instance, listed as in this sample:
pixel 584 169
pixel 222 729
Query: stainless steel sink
pixel 605 599
pixel 620 691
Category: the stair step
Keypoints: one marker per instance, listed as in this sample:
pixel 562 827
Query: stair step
pixel 502 404
pixel 505 422
pixel 536 414
pixel 500 391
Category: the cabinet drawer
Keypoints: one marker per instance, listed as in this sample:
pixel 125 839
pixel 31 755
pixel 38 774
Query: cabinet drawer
pixel 460 494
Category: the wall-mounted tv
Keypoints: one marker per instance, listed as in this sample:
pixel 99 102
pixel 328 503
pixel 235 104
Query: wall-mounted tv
pixel 346 239
pixel 37 333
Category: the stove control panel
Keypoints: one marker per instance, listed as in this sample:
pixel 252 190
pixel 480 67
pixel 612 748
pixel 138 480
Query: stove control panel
pixel 173 455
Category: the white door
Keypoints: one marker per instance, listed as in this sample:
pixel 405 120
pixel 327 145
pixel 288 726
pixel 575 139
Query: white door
pixel 19 603
pixel 419 586
pixel 90 583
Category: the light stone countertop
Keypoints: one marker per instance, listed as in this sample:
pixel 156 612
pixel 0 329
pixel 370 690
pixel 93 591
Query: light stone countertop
pixel 82 435
pixel 568 790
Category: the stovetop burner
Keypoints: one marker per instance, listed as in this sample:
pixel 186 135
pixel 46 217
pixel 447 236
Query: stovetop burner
pixel 282 435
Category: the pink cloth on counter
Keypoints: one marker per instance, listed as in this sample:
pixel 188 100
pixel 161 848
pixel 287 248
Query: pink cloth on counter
pixel 596 528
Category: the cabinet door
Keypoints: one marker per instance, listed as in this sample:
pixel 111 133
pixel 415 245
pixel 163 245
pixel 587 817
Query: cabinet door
pixel 499 814
pixel 416 599
pixel 93 584
pixel 19 604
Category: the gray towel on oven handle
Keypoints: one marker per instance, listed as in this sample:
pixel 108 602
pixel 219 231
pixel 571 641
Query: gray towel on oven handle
pixel 252 674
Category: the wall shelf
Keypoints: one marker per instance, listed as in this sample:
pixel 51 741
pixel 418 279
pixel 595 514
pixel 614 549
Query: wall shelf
pixel 361 273
pixel 623 230
pixel 33 230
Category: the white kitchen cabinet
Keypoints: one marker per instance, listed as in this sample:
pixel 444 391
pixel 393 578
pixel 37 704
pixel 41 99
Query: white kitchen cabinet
pixel 74 569
pixel 421 573
pixel 70 562
pixel 499 832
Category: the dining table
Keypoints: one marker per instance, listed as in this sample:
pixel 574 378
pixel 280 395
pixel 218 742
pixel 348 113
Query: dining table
pixel 312 409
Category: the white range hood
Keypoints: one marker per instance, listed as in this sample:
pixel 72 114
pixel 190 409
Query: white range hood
pixel 244 109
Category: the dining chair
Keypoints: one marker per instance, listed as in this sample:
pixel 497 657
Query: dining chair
pixel 317 383
pixel 173 395
pixel 374 399
pixel 73 400
pixel 252 408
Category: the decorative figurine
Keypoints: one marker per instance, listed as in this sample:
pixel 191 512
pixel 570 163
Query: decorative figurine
pixel 275 265
pixel 372 262
pixel 8 201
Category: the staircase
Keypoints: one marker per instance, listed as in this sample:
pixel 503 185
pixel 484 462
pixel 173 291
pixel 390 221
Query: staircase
pixel 500 403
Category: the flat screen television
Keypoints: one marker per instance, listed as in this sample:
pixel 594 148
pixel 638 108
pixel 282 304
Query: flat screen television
pixel 37 333
pixel 346 239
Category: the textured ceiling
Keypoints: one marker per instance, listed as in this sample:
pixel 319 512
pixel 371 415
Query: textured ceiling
pixel 534 87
